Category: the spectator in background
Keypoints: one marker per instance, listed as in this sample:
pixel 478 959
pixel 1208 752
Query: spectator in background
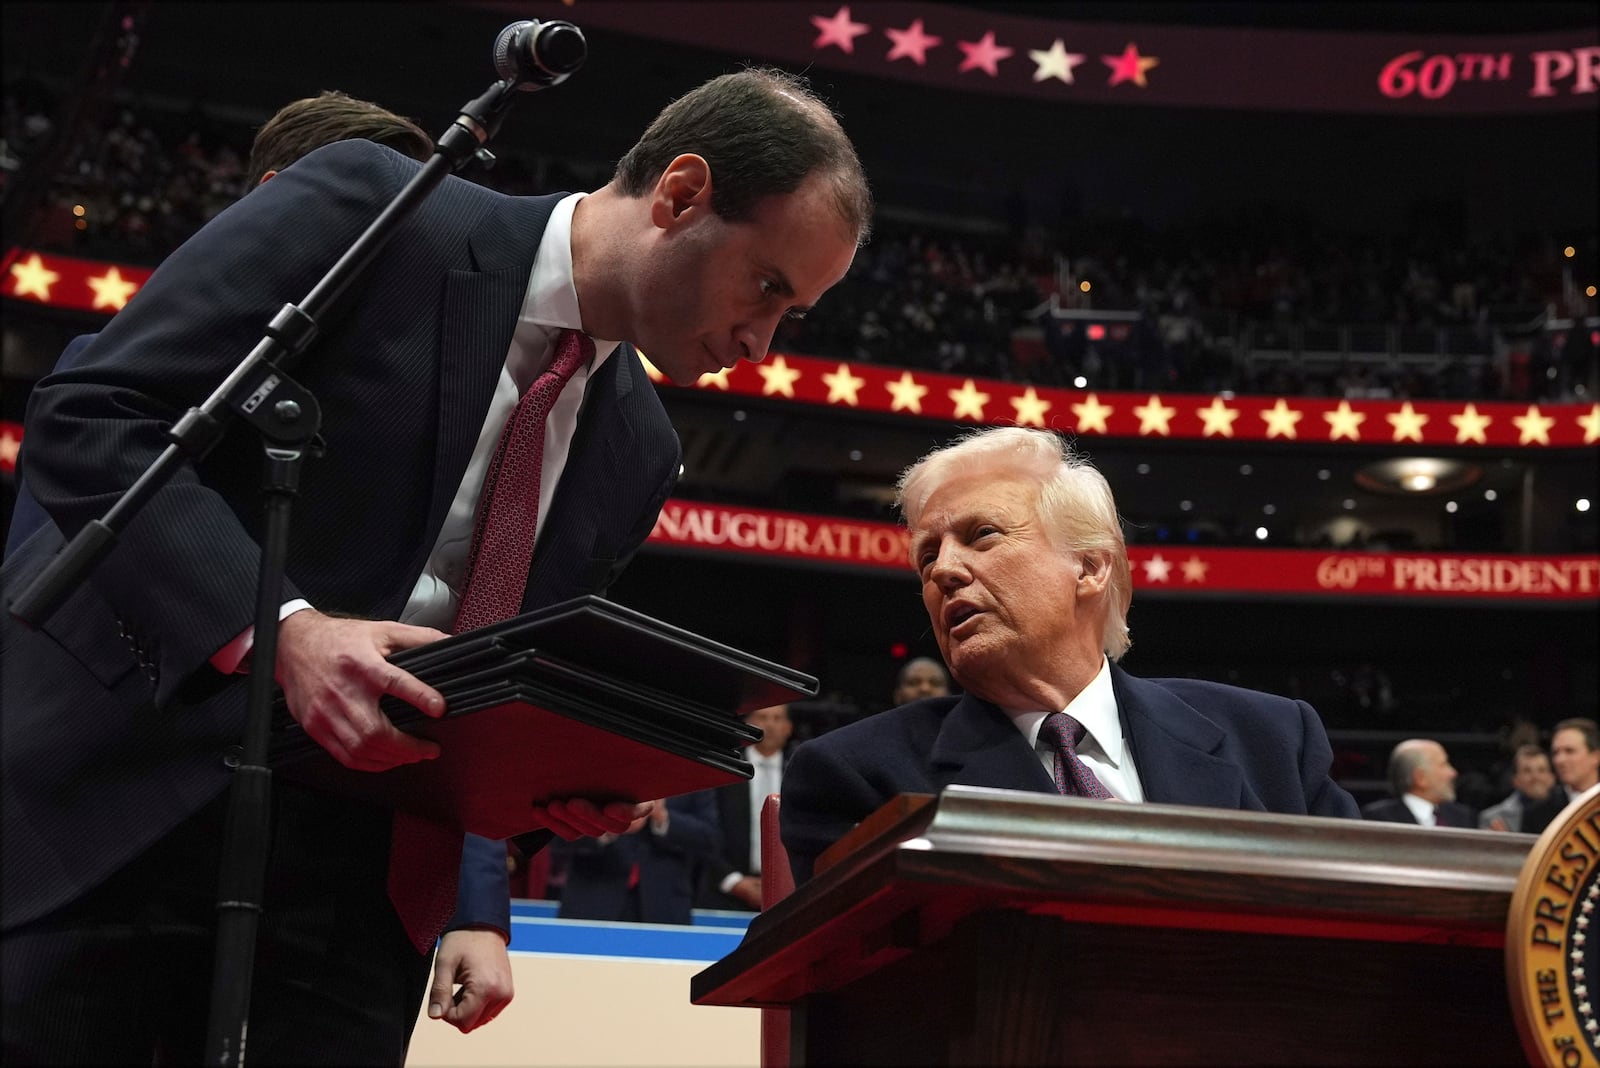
pixel 645 875
pixel 1423 783
pixel 1575 756
pixel 731 875
pixel 1531 784
pixel 922 677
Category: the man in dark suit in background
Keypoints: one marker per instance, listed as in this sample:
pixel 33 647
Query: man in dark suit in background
pixel 1026 581
pixel 742 202
pixel 731 876
pixel 646 875
pixel 1423 783
pixel 1575 756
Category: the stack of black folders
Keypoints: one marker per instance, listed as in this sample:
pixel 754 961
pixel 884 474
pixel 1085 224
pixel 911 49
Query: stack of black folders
pixel 584 698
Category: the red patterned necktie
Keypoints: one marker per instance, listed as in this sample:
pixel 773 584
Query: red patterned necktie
pixel 424 855
pixel 1072 774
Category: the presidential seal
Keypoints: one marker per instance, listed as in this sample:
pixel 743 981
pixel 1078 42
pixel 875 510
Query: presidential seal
pixel 1552 934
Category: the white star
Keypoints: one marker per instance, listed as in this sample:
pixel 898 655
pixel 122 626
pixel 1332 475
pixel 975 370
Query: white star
pixel 1055 63
pixel 1578 938
pixel 1583 921
pixel 1157 568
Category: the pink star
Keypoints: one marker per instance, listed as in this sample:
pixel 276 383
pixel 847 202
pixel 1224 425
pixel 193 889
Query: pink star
pixel 838 30
pixel 1129 66
pixel 912 43
pixel 983 53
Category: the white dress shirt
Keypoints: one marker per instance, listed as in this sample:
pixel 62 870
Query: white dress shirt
pixel 1422 809
pixel 1103 748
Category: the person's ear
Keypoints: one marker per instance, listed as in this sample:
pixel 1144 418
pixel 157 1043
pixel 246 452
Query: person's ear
pixel 1094 574
pixel 684 187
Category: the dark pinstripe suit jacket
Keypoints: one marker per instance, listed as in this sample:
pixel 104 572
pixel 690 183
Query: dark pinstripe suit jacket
pixel 114 727
pixel 1193 743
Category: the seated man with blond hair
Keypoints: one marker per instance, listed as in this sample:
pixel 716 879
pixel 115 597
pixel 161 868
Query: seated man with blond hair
pixel 1026 581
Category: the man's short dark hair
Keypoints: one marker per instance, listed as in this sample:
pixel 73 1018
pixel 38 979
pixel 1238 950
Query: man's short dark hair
pixel 1589 728
pixel 304 125
pixel 762 131
pixel 1529 752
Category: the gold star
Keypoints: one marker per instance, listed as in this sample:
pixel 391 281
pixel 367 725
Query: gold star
pixel 1154 416
pixel 1031 408
pixel 715 378
pixel 34 279
pixel 1218 418
pixel 778 377
pixel 1534 427
pixel 111 290
pixel 650 369
pixel 969 400
pixel 1092 415
pixel 1281 420
pixel 907 394
pixel 10 444
pixel 843 386
pixel 1470 425
pixel 1344 422
pixel 1407 423
pixel 1194 569
pixel 1591 425
pixel 1157 568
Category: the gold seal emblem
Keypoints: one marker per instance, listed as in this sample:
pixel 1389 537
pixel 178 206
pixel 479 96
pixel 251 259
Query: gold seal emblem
pixel 1552 934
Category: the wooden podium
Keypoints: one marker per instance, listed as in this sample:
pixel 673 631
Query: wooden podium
pixel 995 927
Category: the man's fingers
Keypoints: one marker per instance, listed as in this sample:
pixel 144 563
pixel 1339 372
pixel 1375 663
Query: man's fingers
pixel 410 689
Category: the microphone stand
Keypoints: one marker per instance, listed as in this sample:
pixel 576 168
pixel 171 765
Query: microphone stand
pixel 287 417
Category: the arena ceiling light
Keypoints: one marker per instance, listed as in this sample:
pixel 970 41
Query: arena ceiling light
pixel 1417 475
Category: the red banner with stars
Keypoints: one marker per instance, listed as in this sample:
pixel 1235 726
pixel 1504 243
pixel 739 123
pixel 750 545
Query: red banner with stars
pixel 975 49
pixel 1222 417
pixel 1176 570
pixel 69 282
pixel 85 285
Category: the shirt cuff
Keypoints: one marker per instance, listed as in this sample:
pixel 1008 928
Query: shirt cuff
pixel 230 659
pixel 730 881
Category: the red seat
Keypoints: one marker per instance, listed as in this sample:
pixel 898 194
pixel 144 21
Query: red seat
pixel 777 883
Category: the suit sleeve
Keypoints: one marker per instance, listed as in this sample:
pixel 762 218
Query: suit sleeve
pixel 183 573
pixel 823 797
pixel 1324 797
pixel 483 895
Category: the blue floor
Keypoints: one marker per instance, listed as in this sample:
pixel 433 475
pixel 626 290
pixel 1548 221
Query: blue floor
pixel 712 935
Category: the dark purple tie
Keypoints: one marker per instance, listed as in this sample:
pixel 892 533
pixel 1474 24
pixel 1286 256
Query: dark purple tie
pixel 424 855
pixel 1072 774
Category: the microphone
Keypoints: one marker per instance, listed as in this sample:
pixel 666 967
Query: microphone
pixel 533 55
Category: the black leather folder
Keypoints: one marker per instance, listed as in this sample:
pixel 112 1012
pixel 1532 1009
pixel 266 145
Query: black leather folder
pixel 585 698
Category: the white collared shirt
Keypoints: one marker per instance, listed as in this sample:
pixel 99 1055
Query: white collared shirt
pixel 767 779
pixel 1103 748
pixel 1422 809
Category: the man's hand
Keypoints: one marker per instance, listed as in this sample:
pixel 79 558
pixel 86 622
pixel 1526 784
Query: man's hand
pixel 748 890
pixel 577 817
pixel 476 960
pixel 333 671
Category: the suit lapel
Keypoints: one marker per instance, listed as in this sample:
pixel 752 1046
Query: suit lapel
pixel 1173 747
pixel 978 745
pixel 481 307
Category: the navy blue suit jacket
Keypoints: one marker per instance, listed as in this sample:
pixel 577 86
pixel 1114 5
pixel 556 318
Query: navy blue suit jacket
pixel 114 727
pixel 1192 743
pixel 26 515
pixel 597 874
pixel 1393 810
